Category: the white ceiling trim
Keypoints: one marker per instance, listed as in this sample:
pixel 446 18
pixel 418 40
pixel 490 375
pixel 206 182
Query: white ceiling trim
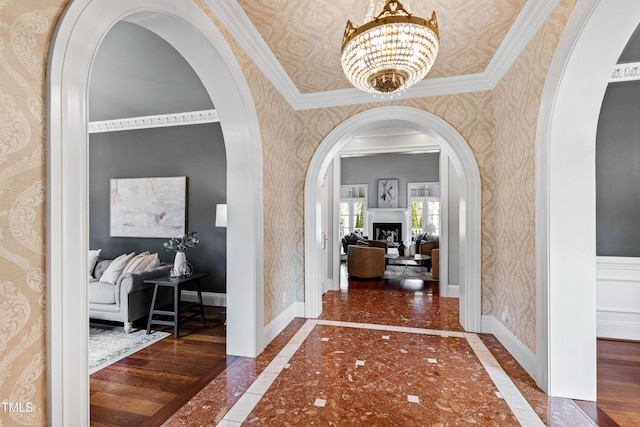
pixel 625 72
pixel 238 24
pixel 157 121
pixel 233 18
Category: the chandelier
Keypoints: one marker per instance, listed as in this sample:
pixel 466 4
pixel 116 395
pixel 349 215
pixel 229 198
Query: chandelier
pixel 390 52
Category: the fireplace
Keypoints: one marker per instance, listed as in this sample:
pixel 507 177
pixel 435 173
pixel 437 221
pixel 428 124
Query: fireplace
pixel 380 227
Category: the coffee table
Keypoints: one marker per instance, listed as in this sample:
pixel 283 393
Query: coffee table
pixel 406 259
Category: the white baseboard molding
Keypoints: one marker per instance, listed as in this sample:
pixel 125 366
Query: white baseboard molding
pixel 525 357
pixel 618 324
pixel 208 298
pixel 454 291
pixel 278 324
pixel 617 293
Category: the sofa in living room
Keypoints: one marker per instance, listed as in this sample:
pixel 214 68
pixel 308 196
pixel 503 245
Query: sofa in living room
pixel 116 290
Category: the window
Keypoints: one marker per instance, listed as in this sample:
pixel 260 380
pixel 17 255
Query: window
pixel 424 200
pixel 351 217
pixel 353 202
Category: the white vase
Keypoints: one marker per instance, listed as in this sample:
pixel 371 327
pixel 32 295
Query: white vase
pixel 178 261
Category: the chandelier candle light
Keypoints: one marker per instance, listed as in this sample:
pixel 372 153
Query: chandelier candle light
pixel 391 52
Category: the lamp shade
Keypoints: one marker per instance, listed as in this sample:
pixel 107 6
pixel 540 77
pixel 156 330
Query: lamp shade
pixel 221 215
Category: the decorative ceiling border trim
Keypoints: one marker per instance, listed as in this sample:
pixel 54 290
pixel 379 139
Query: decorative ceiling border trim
pixel 532 16
pixel 158 121
pixel 625 72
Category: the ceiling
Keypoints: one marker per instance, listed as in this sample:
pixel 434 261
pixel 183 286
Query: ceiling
pixel 305 36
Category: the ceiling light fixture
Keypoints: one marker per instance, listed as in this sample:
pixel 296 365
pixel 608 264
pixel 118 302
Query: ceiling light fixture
pixel 391 52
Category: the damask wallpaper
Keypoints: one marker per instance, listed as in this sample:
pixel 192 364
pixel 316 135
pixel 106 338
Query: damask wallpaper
pixel 499 126
pixel 516 105
pixel 25 31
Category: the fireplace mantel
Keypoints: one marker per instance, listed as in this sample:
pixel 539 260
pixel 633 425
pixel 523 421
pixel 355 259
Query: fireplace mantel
pixel 401 215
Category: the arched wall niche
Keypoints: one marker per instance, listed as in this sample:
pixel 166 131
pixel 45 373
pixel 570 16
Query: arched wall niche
pixel 74 45
pixel 470 200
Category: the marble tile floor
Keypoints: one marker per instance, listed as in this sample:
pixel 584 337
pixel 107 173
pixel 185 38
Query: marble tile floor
pixel 378 358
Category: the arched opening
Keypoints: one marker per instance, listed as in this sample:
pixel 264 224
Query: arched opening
pixel 565 194
pixel 78 35
pixel 470 198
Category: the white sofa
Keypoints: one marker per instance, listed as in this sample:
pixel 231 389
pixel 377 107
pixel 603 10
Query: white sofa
pixel 126 300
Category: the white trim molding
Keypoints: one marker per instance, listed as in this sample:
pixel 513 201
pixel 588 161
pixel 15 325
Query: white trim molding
pixel 213 299
pixel 617 297
pixel 234 19
pixel 523 355
pixel 74 44
pixel 625 72
pixel 278 324
pixel 157 121
pixel 565 194
pixel 468 174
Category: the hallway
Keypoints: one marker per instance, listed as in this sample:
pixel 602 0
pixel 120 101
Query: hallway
pixel 378 358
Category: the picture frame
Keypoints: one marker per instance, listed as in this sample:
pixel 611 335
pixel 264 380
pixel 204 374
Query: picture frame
pixel 148 207
pixel 387 193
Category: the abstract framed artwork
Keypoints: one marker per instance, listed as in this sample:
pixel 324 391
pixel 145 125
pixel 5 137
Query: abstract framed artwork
pixel 148 207
pixel 387 193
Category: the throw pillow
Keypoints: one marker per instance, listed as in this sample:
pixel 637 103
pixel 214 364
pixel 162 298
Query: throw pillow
pixel 133 264
pixel 114 270
pixel 94 254
pixel 155 262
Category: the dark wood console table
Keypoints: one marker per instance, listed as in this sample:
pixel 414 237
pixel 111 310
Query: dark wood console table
pixel 179 307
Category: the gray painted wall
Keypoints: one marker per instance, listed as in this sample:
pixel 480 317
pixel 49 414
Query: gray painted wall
pixel 618 172
pixel 194 151
pixel 136 73
pixel 404 167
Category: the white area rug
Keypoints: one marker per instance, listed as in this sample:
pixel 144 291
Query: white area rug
pixel 108 344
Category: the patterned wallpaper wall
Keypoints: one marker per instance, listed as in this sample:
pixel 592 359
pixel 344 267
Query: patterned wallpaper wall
pixel 517 100
pixel 289 141
pixel 25 31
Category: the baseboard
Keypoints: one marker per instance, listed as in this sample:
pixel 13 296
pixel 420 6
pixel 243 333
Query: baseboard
pixel 208 298
pixel 278 324
pixel 617 291
pixel 618 325
pixel 525 357
pixel 454 291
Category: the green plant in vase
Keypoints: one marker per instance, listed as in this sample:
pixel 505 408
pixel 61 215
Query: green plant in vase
pixel 180 245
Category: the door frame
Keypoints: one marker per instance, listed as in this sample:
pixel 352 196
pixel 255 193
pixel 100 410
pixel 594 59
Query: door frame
pixel 73 47
pixel 468 173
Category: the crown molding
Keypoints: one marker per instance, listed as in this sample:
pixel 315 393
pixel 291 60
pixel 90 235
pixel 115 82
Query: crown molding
pixel 532 16
pixel 625 72
pixel 529 20
pixel 237 23
pixel 158 121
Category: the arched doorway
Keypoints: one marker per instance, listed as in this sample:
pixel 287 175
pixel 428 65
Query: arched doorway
pixel 77 38
pixel 565 194
pixel 470 199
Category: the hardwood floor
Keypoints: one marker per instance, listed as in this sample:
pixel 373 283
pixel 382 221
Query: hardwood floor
pixel 147 387
pixel 619 380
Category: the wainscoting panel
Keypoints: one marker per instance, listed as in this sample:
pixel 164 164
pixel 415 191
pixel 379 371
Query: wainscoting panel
pixel 618 298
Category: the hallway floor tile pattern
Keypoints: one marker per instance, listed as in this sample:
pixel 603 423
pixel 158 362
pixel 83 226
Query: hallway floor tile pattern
pixel 378 358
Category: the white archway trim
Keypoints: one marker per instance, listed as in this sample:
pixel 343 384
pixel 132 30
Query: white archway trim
pixel 72 50
pixel 565 194
pixel 470 200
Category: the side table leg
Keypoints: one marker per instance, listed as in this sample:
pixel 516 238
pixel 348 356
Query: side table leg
pixel 176 311
pixel 200 303
pixel 152 308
